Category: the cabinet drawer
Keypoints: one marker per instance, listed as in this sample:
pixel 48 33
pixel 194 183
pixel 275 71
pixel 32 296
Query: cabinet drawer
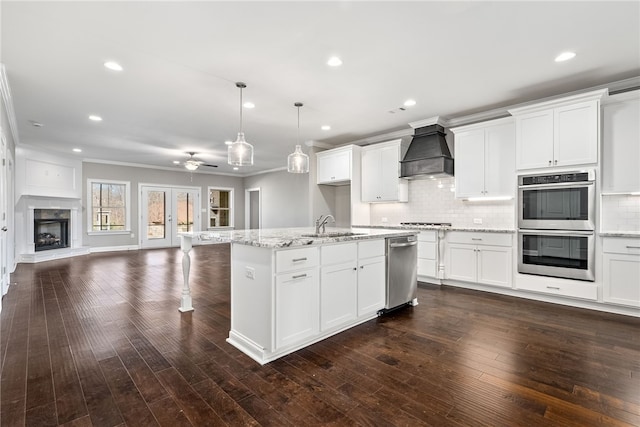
pixel 335 254
pixel 296 259
pixel 621 245
pixel 426 267
pixel 494 239
pixel 371 248
pixel 426 250
pixel 427 236
pixel 574 290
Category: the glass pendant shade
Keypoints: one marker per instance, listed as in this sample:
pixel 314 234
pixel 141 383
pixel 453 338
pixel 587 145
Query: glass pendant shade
pixel 191 165
pixel 298 162
pixel 240 153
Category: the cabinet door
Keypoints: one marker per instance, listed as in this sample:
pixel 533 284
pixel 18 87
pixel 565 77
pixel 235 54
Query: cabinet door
pixel 534 140
pixel 297 307
pixel 371 285
pixel 469 174
pixel 621 276
pixel 499 160
pixel 576 134
pixel 338 294
pixel 620 147
pixel 461 262
pixel 494 265
pixel 389 172
pixel 334 167
pixel 371 175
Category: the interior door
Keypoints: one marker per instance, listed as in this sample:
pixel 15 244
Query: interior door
pixel 167 211
pixel 4 269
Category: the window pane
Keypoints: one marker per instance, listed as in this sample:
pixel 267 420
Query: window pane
pixel 185 212
pixel 156 227
pixel 108 207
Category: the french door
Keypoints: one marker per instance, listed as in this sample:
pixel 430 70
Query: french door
pixel 167 211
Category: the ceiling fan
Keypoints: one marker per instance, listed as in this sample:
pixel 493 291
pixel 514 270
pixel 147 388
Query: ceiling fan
pixel 192 163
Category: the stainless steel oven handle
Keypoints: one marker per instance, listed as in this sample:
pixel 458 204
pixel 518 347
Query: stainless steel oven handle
pixel 557 185
pixel 568 233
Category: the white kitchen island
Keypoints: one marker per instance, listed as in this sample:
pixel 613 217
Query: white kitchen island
pixel 290 290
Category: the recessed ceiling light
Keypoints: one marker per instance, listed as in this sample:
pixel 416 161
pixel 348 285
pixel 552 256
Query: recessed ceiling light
pixel 176 162
pixel 113 66
pixel 409 103
pixel 228 142
pixel 325 127
pixel 249 105
pixel 77 150
pixel 35 124
pixel 95 118
pixel 334 61
pixel 235 169
pixel 565 56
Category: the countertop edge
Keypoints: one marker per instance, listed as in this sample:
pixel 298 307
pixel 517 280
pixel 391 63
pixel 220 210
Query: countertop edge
pixel 440 227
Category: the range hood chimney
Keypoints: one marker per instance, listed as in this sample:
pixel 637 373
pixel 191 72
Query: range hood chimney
pixel 428 154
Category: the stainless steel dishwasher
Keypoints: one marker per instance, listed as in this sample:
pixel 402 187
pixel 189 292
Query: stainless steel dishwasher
pixel 402 271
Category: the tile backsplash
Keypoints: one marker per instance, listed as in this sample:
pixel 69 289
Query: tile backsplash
pixel 620 212
pixel 433 200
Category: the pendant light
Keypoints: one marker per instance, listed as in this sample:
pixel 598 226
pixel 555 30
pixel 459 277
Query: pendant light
pixel 240 152
pixel 298 162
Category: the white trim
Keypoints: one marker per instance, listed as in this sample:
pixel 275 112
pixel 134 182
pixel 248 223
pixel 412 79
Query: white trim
pixel 177 168
pixel 435 120
pixel 7 99
pixel 114 248
pixel 284 168
pixel 33 258
pixel 559 101
pixel 127 207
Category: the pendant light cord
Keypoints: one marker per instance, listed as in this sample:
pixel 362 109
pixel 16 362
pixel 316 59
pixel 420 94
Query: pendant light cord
pixel 241 109
pixel 298 124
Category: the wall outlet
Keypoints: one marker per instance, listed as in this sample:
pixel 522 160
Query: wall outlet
pixel 250 272
pixel 384 220
pixel 133 235
pixel 477 220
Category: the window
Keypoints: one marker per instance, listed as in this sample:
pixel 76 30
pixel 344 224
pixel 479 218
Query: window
pixel 108 206
pixel 220 207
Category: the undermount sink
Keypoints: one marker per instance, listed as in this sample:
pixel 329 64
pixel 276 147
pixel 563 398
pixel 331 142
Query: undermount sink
pixel 333 234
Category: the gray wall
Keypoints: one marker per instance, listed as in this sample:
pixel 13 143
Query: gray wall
pixel 285 198
pixel 137 175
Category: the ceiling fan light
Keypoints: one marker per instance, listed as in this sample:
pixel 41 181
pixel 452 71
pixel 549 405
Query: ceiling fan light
pixel 191 165
pixel 240 152
pixel 298 162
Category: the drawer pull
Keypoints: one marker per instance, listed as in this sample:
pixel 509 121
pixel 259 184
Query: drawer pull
pixel 553 287
pixel 633 247
pixel 299 276
pixel 473 238
pixel 299 259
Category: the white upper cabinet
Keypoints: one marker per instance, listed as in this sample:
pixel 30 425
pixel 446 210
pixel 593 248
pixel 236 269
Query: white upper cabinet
pixel 485 159
pixel 621 143
pixel 334 166
pixel 381 171
pixel 563 132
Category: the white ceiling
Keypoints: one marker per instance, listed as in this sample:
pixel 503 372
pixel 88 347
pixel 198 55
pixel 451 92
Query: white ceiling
pixel 181 61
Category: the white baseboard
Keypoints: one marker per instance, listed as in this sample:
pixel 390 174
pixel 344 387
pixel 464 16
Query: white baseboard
pixel 53 254
pixel 114 248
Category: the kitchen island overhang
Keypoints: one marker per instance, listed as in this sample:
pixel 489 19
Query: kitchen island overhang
pixel 291 288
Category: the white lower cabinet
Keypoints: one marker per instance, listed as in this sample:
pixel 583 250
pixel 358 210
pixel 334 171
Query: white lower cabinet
pixel 297 306
pixel 338 284
pixel 484 258
pixel 427 254
pixel 621 271
pixel 371 285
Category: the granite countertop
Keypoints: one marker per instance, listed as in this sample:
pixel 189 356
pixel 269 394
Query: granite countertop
pixel 619 233
pixel 440 227
pixel 291 237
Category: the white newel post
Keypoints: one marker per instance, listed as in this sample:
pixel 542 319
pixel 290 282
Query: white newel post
pixel 185 246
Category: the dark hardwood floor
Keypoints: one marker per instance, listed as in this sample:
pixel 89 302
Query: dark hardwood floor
pixel 98 341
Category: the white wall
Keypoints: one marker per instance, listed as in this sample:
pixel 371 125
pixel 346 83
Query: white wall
pixel 620 212
pixel 427 202
pixel 285 198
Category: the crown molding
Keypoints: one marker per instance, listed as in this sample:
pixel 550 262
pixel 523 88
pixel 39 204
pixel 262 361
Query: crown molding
pixel 177 168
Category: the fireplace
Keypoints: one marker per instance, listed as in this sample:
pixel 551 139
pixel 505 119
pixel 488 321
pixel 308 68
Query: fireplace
pixel 51 229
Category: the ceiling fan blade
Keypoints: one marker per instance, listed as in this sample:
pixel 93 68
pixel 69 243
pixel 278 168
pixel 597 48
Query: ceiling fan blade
pixel 211 166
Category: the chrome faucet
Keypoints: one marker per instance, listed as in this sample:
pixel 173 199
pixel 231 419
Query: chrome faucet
pixel 322 221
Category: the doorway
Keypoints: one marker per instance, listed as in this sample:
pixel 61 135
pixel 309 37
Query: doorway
pixel 4 204
pixel 252 208
pixel 167 211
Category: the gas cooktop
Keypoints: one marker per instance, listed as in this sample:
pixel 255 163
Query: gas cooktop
pixel 440 224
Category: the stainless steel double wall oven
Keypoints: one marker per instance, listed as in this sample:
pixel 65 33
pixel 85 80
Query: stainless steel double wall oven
pixel 556 224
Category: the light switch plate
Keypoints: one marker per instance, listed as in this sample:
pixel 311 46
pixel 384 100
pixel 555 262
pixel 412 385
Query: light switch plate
pixel 250 272
pixel 477 220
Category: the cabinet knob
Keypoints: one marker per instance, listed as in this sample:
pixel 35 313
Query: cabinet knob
pixel 555 162
pixel 549 162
